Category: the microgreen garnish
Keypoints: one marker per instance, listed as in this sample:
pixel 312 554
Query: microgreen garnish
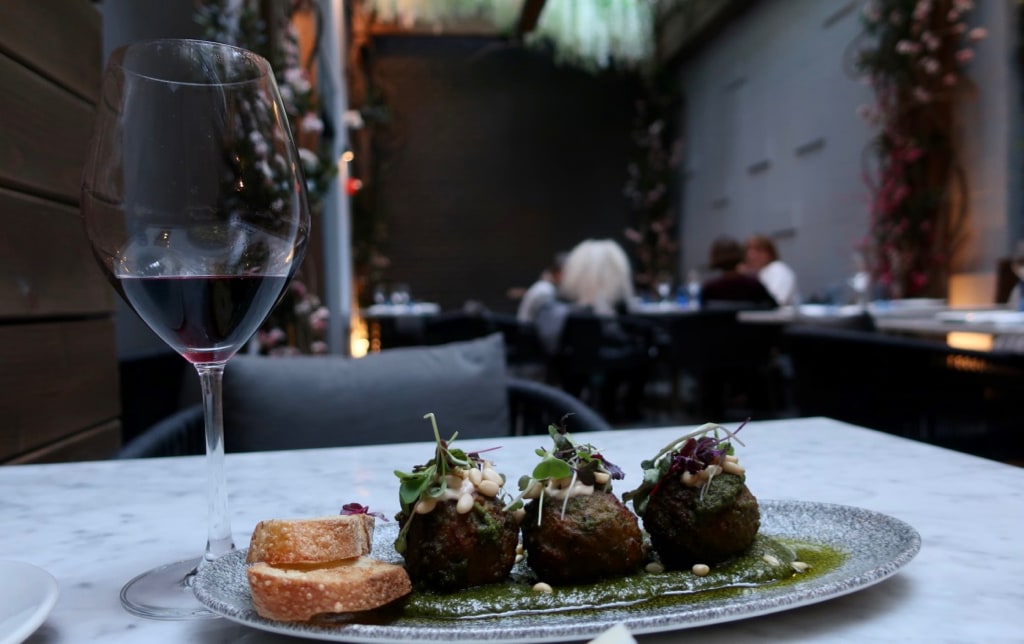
pixel 691 453
pixel 356 508
pixel 429 481
pixel 569 459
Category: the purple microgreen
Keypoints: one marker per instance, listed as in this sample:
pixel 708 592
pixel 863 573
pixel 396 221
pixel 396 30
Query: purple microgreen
pixel 476 455
pixel 691 453
pixel 357 508
pixel 613 469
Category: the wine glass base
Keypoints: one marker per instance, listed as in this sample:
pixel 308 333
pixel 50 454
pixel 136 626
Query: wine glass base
pixel 165 593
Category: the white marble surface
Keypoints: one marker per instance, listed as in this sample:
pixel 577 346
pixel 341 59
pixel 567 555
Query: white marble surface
pixel 95 525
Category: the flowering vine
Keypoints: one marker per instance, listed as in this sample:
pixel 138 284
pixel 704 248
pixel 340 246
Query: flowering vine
pixel 649 176
pixel 265 27
pixel 299 321
pixel 915 65
pixel 297 325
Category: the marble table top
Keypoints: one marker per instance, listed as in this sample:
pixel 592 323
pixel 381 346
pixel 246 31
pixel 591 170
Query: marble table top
pixel 94 525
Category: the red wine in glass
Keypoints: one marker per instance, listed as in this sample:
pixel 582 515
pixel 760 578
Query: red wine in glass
pixel 205 318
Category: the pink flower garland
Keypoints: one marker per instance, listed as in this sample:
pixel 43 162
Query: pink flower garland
pixel 915 68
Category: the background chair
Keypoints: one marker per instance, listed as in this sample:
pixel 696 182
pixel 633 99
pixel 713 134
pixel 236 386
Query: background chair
pixel 455 326
pixel 606 361
pixel 292 403
pixel 732 366
pixel 523 351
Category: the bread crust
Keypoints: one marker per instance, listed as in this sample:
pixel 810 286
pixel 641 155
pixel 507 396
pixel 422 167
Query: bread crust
pixel 298 594
pixel 313 540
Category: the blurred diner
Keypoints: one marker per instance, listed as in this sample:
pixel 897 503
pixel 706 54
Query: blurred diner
pixel 544 290
pixel 597 275
pixel 731 287
pixel 596 352
pixel 763 261
pixel 596 278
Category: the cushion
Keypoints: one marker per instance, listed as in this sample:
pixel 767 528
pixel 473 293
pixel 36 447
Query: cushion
pixel 307 401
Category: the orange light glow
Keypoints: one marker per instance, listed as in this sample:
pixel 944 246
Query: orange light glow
pixel 970 341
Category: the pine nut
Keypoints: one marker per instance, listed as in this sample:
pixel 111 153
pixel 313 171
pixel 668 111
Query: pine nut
pixel 452 481
pixel 533 491
pixel 601 477
pixel 475 476
pixel 701 570
pixel 732 458
pixel 519 549
pixel 713 470
pixel 465 504
pixel 654 567
pixel 519 558
pixel 489 488
pixel 541 587
pixel 425 506
pixel 772 560
pixel 800 566
pixel 731 467
pixel 689 479
pixel 491 474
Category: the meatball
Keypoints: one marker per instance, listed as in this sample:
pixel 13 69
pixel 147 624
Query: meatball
pixel 598 537
pixel 686 528
pixel 449 551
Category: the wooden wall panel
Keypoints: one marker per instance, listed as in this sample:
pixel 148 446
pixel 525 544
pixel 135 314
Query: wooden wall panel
pixel 46 265
pixel 57 379
pixel 58 365
pixel 44 133
pixel 58 39
pixel 91 445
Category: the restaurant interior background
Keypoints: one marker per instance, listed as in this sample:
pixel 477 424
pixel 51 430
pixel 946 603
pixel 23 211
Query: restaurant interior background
pixel 479 158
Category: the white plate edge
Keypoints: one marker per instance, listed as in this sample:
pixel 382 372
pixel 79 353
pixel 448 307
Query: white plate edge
pixel 46 602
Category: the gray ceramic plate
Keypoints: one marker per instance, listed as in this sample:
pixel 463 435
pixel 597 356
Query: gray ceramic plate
pixel 876 546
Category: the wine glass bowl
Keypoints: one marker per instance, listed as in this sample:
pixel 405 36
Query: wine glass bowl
pixel 1017 259
pixel 194 204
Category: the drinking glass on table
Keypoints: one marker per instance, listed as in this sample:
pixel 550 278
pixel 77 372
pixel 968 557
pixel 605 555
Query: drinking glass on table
pixel 663 287
pixel 196 210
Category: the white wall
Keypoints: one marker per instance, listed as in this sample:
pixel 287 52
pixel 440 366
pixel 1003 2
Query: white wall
pixel 774 144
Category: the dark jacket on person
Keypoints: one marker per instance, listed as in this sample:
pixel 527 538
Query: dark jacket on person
pixel 736 290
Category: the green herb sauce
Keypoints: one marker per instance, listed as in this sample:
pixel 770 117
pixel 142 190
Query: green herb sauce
pixel 645 590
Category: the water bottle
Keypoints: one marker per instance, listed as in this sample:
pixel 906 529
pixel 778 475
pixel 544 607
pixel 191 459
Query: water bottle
pixel 693 289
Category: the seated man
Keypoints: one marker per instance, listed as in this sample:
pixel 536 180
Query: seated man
pixel 763 261
pixel 542 291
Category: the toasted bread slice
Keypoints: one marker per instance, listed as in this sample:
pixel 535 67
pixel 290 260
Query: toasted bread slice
pixel 314 540
pixel 297 593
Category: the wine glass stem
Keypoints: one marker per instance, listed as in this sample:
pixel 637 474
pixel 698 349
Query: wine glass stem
pixel 219 540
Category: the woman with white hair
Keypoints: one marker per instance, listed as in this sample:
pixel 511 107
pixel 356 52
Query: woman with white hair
pixel 596 356
pixel 597 275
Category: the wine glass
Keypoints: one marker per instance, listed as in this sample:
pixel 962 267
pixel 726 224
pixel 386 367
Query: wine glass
pixel 663 287
pixel 196 209
pixel 1017 264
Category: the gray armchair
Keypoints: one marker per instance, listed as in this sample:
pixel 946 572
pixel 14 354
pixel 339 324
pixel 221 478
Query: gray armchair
pixel 306 402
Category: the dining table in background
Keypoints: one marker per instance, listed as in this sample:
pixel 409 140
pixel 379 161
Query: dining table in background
pixel 392 325
pixel 989 321
pixel 94 525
